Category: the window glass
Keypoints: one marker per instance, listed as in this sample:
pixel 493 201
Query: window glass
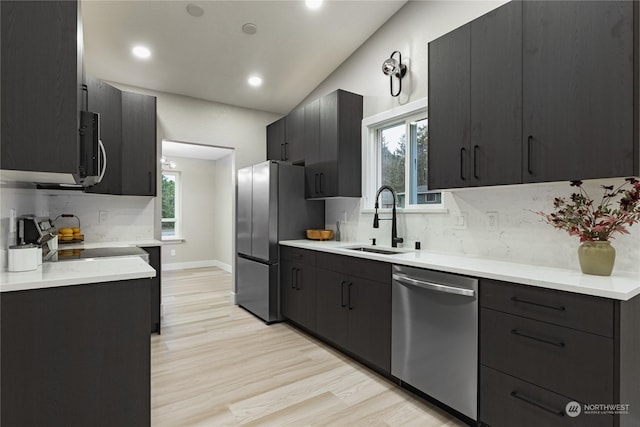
pixel 392 162
pixel 402 150
pixel 169 204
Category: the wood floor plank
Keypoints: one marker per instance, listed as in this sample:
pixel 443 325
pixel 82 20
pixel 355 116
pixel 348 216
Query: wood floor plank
pixel 215 364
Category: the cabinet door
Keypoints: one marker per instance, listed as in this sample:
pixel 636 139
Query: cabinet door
pixel 294 147
pixel 276 139
pixel 369 324
pixel 139 165
pixel 327 166
pixel 449 111
pixel 107 101
pixel 496 97
pixel 312 148
pixel 288 294
pixel 41 85
pixel 305 277
pixel 331 306
pixel 155 260
pixel 577 90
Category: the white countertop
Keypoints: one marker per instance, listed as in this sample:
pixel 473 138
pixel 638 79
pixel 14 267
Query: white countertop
pixel 80 272
pixel 120 244
pixel 620 285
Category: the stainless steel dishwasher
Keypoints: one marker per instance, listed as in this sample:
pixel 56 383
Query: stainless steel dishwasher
pixel 434 335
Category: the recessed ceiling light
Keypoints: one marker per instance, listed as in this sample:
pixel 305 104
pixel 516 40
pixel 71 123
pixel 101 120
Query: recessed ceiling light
pixel 141 52
pixel 313 4
pixel 195 10
pixel 255 81
pixel 249 28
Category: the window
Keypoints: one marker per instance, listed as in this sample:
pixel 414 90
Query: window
pixel 171 205
pixel 397 152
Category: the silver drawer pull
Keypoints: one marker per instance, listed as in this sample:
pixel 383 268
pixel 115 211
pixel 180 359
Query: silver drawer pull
pixel 438 287
pixel 536 404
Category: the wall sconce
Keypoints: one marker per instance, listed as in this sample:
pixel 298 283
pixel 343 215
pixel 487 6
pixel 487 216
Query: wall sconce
pixel 394 67
pixel 166 164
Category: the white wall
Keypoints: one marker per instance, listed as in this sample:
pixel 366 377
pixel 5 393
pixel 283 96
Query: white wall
pixel 206 214
pixel 521 235
pixel 409 31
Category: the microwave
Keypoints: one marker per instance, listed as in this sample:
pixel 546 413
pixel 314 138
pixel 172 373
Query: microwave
pixel 92 155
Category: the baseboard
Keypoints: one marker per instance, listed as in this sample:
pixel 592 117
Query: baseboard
pixel 188 265
pixel 196 264
pixel 222 266
pixel 233 298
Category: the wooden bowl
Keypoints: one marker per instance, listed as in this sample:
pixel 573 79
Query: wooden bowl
pixel 320 234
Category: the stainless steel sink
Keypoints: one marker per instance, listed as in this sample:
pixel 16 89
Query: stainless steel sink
pixel 377 251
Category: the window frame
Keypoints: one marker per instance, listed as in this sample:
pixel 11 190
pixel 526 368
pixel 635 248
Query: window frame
pixel 371 159
pixel 177 220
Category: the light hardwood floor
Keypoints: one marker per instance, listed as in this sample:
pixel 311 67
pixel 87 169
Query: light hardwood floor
pixel 215 364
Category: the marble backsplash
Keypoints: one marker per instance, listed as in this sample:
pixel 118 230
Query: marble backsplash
pixel 521 235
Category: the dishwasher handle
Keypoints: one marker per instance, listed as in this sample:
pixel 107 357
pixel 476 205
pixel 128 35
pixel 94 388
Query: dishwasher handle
pixel 438 287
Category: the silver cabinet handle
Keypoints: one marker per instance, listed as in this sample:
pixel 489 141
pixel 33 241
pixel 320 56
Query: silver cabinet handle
pixel 102 165
pixel 438 287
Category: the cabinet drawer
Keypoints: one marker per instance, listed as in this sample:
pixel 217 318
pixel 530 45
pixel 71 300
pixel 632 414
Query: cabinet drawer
pixel 358 267
pixel 583 312
pixel 506 401
pixel 303 256
pixel 564 360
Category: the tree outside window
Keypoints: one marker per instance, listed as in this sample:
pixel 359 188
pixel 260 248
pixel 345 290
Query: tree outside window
pixel 170 206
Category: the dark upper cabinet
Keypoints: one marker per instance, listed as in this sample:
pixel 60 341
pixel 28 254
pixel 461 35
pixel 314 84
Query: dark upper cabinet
pixel 276 140
pixel 578 90
pixel 312 144
pixel 333 162
pixel 449 109
pixel 139 145
pixel 128 132
pixel 106 100
pixel 41 85
pixel 535 91
pixel 294 136
pixel 496 97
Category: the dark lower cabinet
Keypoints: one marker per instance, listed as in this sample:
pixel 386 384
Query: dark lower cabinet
pixel 155 260
pixel 332 311
pixel 354 312
pixel 298 293
pixel 76 356
pixel 509 401
pixel 541 349
pixel 41 85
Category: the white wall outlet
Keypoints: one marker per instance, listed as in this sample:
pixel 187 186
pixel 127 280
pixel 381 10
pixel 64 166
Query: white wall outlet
pixel 103 216
pixel 173 252
pixel 492 221
pixel 12 220
pixel 460 221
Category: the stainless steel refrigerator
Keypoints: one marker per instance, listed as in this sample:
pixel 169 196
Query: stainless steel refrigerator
pixel 270 207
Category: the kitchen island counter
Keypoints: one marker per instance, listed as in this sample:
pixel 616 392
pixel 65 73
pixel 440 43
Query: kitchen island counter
pixel 619 286
pixel 80 272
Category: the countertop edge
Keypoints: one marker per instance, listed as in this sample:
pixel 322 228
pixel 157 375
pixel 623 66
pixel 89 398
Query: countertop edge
pixel 568 280
pixel 53 275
